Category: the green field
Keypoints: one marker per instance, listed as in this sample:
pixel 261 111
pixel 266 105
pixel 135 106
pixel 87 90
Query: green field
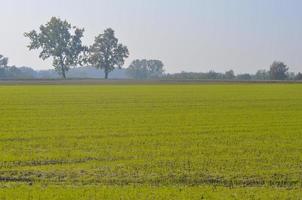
pixel 156 141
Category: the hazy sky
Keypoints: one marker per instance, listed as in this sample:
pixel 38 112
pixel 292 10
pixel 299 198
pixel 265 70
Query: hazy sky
pixel 189 35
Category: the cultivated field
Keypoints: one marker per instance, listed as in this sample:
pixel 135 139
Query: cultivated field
pixel 151 141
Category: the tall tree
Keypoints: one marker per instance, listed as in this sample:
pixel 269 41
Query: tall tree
pixel 107 53
pixel 57 41
pixel 278 71
pixel 145 69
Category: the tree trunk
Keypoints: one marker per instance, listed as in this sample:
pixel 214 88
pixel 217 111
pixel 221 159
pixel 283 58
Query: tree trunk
pixel 62 68
pixel 106 74
pixel 63 73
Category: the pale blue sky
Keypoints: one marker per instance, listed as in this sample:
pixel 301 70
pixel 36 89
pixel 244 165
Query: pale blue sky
pixel 189 35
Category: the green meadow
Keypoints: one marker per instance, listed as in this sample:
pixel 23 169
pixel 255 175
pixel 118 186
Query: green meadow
pixel 151 141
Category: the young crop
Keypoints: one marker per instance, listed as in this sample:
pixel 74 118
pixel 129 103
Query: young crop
pixel 194 141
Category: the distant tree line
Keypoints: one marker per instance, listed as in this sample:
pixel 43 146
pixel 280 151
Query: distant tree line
pixel 153 69
pixel 7 71
pixel 62 42
pixel 146 69
pixel 277 71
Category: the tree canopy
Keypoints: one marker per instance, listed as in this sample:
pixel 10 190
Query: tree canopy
pixel 56 40
pixel 107 53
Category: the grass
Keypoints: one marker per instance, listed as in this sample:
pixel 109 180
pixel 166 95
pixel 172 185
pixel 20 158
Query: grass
pixel 216 141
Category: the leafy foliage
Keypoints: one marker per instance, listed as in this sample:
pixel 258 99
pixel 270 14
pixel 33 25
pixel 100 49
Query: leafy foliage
pixel 107 53
pixel 56 41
